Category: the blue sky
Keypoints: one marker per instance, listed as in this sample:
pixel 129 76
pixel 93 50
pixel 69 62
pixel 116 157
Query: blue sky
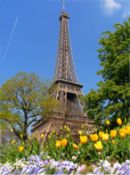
pixel 29 32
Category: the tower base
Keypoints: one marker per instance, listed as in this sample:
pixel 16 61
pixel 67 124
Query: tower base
pixel 55 123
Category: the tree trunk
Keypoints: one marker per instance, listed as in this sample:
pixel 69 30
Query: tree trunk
pixel 25 135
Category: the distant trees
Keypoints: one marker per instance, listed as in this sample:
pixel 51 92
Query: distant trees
pixel 23 100
pixel 112 98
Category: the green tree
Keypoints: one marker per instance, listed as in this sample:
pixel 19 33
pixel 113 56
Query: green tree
pixel 23 101
pixel 112 98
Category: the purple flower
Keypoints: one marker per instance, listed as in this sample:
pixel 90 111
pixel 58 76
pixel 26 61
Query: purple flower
pixel 35 170
pixel 96 170
pixel 128 172
pixel 59 172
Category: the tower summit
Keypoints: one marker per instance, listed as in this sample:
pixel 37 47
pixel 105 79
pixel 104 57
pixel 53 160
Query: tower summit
pixel 65 67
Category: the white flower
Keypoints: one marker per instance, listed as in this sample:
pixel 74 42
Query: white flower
pixel 127 162
pixel 117 166
pixel 74 157
pixel 106 164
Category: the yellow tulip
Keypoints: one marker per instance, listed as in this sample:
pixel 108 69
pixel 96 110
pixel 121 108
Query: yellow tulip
pixel 119 121
pixel 83 139
pixel 53 131
pixel 11 130
pixel 113 133
pixel 75 146
pixel 49 136
pixel 58 143
pixel 114 142
pixel 67 128
pixel 122 133
pixel 127 129
pixel 80 132
pixel 21 136
pixel 100 134
pixel 13 142
pixel 94 137
pixel 105 137
pixel 63 142
pixel 98 146
pixel 108 122
pixel 21 148
pixel 42 135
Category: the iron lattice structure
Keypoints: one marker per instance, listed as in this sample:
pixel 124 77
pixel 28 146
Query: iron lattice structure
pixel 67 89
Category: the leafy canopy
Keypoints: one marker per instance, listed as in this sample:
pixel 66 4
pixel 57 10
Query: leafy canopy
pixel 112 98
pixel 23 101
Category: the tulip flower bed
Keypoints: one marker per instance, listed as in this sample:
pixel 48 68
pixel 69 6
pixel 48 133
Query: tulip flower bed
pixel 105 152
pixel 114 144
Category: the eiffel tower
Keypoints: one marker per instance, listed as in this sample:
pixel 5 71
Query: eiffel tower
pixel 66 89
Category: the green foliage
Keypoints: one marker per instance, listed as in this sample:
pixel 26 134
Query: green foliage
pixel 115 53
pixel 10 152
pixel 23 100
pixel 49 105
pixel 112 98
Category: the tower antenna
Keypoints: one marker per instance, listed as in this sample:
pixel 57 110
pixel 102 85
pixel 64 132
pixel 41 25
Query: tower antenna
pixel 63 5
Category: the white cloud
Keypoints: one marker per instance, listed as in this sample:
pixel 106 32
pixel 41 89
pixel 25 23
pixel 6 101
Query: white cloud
pixel 126 8
pixel 110 6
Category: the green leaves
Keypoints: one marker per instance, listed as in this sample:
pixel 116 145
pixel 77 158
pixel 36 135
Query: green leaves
pixel 21 102
pixel 112 97
pixel 115 48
